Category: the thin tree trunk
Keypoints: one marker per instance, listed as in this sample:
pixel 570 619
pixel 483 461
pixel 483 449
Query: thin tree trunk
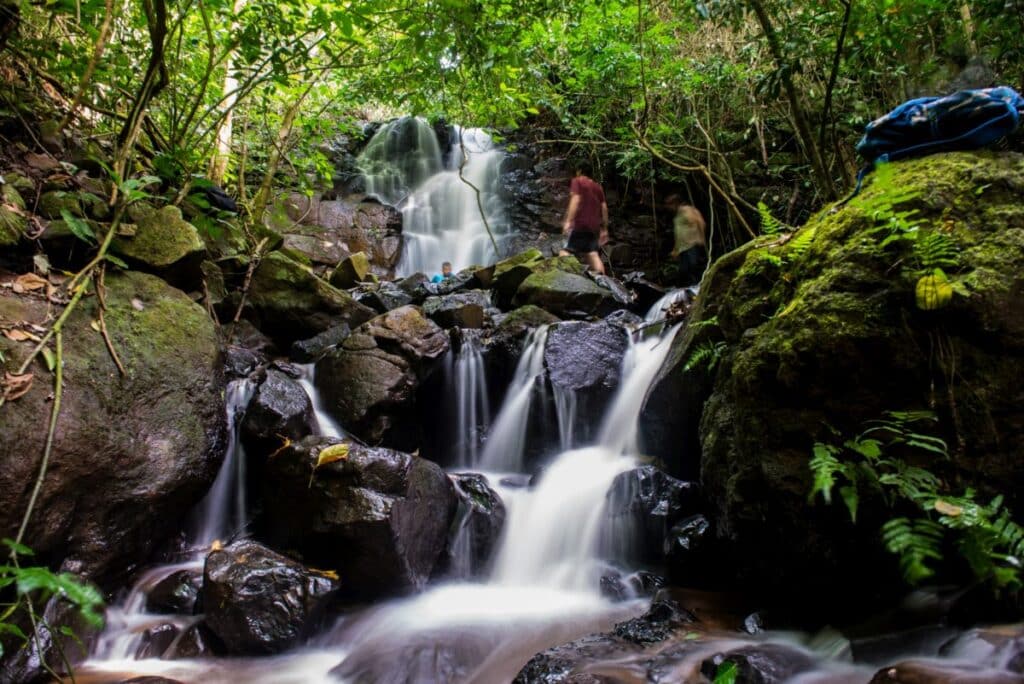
pixel 803 126
pixel 90 68
pixel 968 21
pixel 222 146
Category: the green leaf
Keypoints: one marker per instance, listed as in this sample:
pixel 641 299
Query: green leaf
pixel 726 673
pixel 849 495
pixel 50 358
pixel 78 227
pixel 116 261
pixel 19 549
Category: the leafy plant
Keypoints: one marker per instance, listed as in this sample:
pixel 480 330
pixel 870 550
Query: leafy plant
pixel 726 673
pixel 769 224
pixel 985 535
pixel 706 355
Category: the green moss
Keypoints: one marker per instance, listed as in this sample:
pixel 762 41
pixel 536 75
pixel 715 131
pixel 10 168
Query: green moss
pixel 12 216
pixel 162 239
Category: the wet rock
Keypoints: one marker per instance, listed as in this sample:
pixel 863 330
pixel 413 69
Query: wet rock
pixel 998 645
pixel 644 503
pixel 196 641
pixel 619 587
pixel 379 517
pixel 308 351
pixel 584 360
pixel 937 672
pixel 351 271
pixel 64 639
pixel 624 319
pixel 463 280
pixel 369 383
pixel 622 295
pixel 244 334
pixel 387 296
pixel 479 521
pixel 414 285
pixel 291 303
pixel 645 293
pixel 164 244
pixel 444 657
pixel 175 594
pixel 132 455
pixel 280 409
pixel 782 381
pixel 659 623
pixel 459 310
pixel 685 545
pixel 760 663
pixel 753 623
pixel 558 285
pixel 564 663
pixel 258 601
pixel 156 640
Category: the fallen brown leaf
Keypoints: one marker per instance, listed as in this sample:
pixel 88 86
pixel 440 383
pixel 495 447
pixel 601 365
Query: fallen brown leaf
pixel 15 386
pixel 27 282
pixel 19 335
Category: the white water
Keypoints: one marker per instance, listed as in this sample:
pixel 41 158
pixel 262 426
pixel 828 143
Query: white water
pixel 328 426
pixel 446 208
pixel 503 451
pixel 472 414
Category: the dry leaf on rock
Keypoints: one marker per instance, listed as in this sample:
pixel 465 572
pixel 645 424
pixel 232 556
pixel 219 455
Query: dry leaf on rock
pixel 27 282
pixel 335 452
pixel 19 335
pixel 15 386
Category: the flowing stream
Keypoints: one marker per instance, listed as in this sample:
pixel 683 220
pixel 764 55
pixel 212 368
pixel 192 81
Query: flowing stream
pixel 449 199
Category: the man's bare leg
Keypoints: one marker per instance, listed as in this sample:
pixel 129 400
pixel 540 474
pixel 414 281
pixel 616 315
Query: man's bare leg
pixel 595 263
pixel 564 252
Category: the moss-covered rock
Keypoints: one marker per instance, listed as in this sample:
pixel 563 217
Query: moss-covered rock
pixel 558 285
pixel 53 203
pixel 165 244
pixel 12 216
pixel 291 303
pixel 351 271
pixel 506 275
pixel 821 333
pixel 132 454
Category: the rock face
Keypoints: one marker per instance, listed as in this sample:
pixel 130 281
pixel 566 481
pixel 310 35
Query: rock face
pixel 351 270
pixel 280 408
pixel 131 454
pixel 478 525
pixel 821 329
pixel 558 285
pixel 379 517
pixel 369 383
pixel 644 504
pixel 458 310
pixel 258 601
pixel 291 303
pixel 584 361
pixel 165 244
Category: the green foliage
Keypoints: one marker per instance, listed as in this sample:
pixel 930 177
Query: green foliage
pixel 36 585
pixel 706 355
pixel 876 461
pixel 800 243
pixel 769 224
pixel 726 673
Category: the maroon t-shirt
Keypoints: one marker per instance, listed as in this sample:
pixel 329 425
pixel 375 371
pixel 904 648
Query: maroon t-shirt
pixel 588 216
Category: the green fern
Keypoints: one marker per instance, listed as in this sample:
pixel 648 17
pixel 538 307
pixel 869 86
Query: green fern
pixel 706 355
pixel 933 249
pixel 917 542
pixel 769 224
pixel 706 323
pixel 800 243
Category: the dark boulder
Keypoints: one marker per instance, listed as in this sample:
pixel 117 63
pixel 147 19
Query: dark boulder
pixel 379 517
pixel 619 587
pixel 175 594
pixel 937 672
pixel 459 310
pixel 240 362
pixel 157 640
pixel 463 280
pixel 350 271
pixel 385 296
pixel 584 361
pixel 308 351
pixel 369 383
pixel 258 601
pixel 64 639
pixel 686 548
pixel 760 663
pixel 644 503
pixel 558 285
pixel 478 523
pixel 131 454
pixel 279 409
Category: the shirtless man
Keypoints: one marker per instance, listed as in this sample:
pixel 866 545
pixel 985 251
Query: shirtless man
pixel 586 221
pixel 690 247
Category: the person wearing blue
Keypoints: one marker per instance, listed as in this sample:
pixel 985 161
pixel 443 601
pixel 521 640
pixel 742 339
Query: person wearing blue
pixel 445 274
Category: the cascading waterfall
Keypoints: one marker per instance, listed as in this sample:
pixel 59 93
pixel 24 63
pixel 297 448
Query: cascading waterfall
pixel 469 383
pixel 328 426
pixel 503 451
pixel 450 212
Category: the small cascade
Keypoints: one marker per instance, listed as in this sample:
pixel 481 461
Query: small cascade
pixel 503 451
pixel 469 384
pixel 565 412
pixel 223 511
pixel 328 426
pixel 450 212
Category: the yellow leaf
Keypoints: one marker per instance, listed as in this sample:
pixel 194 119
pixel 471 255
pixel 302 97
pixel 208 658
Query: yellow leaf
pixel 95 325
pixel 335 452
pixel 946 508
pixel 329 574
pixel 216 545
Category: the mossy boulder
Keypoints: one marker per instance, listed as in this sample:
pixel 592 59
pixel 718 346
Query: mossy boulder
pixel 351 271
pixel 132 454
pixel 53 203
pixel 818 333
pixel 12 216
pixel 558 285
pixel 508 274
pixel 289 302
pixel 164 244
pixel 370 382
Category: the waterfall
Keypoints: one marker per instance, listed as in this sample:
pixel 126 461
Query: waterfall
pixel 328 426
pixel 469 385
pixel 449 211
pixel 223 510
pixel 503 451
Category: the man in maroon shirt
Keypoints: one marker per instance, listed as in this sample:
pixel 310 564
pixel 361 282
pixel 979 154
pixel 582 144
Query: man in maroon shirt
pixel 586 221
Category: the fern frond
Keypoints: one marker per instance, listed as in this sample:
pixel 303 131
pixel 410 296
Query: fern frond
pixel 707 354
pixel 769 224
pixel 800 243
pixel 916 542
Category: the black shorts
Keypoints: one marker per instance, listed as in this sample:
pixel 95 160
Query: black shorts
pixel 691 264
pixel 581 242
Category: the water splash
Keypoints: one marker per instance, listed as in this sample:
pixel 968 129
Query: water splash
pixel 469 390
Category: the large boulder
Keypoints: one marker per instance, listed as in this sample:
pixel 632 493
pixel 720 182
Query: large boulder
pixel 379 517
pixel 131 454
pixel 807 336
pixel 643 505
pixel 508 274
pixel 369 383
pixel 290 302
pixel 458 310
pixel 280 409
pixel 477 527
pixel 559 285
pixel 350 271
pixel 165 244
pixel 257 601
pixel 584 362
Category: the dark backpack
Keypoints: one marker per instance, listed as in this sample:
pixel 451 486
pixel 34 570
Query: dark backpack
pixel 965 120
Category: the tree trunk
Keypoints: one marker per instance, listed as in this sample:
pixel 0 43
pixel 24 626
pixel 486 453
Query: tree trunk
pixel 222 147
